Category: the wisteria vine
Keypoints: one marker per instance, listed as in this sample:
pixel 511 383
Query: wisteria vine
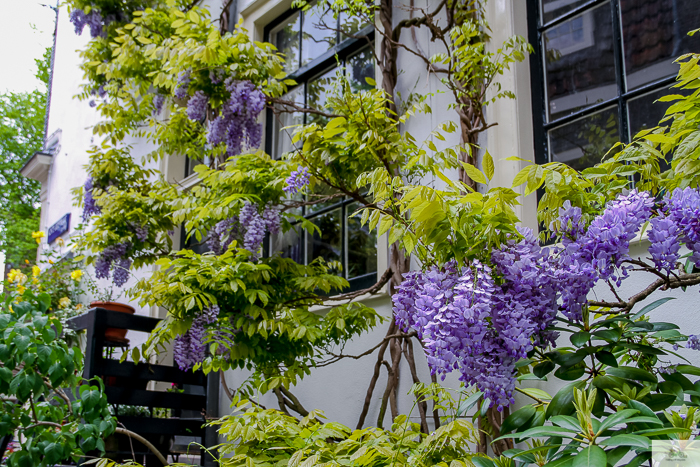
pixel 480 319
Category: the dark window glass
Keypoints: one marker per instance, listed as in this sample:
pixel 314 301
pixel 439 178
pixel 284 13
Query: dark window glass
pixel 655 32
pixel 644 112
pixel 319 32
pixel 362 245
pixel 341 239
pixel 281 134
pixel 286 38
pixel 317 95
pixel 289 244
pixel 328 244
pixel 322 191
pixel 361 66
pixel 552 9
pixel 584 142
pixel 579 62
pixel 350 26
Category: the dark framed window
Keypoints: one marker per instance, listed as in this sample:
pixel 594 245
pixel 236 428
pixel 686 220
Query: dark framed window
pixel 317 46
pixel 598 68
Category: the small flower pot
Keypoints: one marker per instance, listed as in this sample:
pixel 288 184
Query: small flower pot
pixel 115 334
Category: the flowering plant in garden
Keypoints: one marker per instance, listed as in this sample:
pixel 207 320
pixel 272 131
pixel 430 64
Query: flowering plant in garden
pixel 58 415
pixel 489 300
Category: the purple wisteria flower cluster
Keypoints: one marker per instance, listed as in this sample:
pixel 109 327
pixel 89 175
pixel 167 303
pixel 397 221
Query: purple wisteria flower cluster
pixel 190 348
pixel 480 319
pixel 114 256
pixel 236 124
pixel 249 227
pixel 470 322
pixel 682 209
pixel 297 180
pixel 90 206
pixel 93 20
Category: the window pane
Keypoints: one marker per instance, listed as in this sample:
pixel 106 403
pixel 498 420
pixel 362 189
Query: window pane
pixel 327 245
pixel 362 245
pixel 584 142
pixel 286 38
pixel 359 67
pixel 318 90
pixel 579 62
pixel 645 113
pixel 290 245
pixel 350 25
pixel 318 32
pixel 281 137
pixel 655 33
pixel 552 9
pixel 321 191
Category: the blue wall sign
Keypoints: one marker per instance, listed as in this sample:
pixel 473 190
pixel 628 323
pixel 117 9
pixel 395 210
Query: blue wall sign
pixel 59 228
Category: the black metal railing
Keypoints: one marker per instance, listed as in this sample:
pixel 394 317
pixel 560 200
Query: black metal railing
pixel 126 385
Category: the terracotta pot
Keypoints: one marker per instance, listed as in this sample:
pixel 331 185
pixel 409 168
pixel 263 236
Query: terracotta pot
pixel 114 334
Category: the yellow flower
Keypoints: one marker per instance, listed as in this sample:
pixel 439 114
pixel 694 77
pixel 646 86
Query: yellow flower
pixel 12 275
pixel 11 310
pixel 76 275
pixel 36 270
pixel 38 236
pixel 21 289
pixel 60 242
pixel 64 302
pixel 79 306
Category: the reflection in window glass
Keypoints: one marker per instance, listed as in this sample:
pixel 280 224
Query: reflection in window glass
pixel 289 244
pixel 579 62
pixel 286 38
pixel 318 32
pixel 583 143
pixel 359 67
pixel 350 26
pixel 362 245
pixel 644 112
pixel 321 190
pixel 282 138
pixel 327 245
pixel 552 9
pixel 318 90
pixel 655 32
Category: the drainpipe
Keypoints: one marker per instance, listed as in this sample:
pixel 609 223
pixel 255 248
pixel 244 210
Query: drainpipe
pixel 53 57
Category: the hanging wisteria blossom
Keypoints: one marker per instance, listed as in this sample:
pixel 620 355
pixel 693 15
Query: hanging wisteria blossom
pixel 237 123
pixel 297 180
pixel 481 319
pixel 190 348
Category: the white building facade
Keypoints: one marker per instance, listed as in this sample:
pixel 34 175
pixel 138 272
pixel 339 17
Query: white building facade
pixel 597 68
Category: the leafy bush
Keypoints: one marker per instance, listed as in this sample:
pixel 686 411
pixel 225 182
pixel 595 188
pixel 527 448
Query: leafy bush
pixel 43 395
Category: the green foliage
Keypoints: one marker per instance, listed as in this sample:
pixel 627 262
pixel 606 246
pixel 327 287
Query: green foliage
pixel 21 135
pixel 265 322
pixel 262 437
pixel 44 398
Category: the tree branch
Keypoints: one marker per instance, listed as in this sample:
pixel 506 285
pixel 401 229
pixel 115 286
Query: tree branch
pixel 142 440
pixel 685 280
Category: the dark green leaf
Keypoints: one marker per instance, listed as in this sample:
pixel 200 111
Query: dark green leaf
pixel 632 373
pixel 517 419
pixel 562 403
pixel 579 339
pixel 592 456
pixel 606 357
pixel 651 306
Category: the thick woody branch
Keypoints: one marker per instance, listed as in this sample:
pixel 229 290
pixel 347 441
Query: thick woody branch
pixel 666 283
